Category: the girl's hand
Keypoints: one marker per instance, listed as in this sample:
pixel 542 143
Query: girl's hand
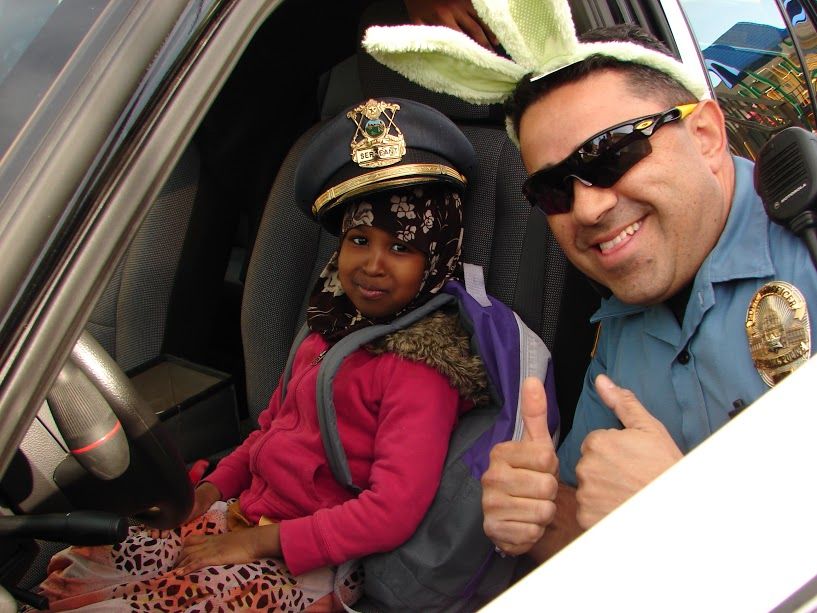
pixel 205 495
pixel 236 547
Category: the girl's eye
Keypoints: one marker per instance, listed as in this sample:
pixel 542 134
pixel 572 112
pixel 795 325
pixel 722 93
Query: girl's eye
pixel 400 248
pixel 357 240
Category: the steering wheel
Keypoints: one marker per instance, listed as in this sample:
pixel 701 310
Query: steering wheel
pixel 122 460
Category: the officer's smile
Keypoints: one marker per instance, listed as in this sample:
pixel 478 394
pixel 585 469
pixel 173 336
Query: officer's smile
pixel 611 235
pixel 622 237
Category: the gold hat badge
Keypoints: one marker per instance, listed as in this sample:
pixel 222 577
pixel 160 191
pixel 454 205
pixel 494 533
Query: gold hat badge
pixel 378 140
pixel 778 329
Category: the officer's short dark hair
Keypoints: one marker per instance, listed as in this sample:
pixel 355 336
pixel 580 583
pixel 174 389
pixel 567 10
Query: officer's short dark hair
pixel 642 80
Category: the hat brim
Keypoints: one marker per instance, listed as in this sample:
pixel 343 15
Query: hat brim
pixel 329 206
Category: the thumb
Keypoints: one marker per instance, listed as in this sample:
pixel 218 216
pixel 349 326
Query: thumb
pixel 535 411
pixel 629 410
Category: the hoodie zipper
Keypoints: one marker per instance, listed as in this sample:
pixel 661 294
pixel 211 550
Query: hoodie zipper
pixel 260 443
pixel 317 359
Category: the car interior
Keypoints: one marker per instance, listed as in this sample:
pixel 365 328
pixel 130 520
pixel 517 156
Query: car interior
pixel 202 310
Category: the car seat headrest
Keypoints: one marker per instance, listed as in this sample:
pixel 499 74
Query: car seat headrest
pixel 378 145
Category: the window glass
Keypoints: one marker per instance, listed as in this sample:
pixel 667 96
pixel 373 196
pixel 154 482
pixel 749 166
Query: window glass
pixel 754 65
pixel 806 36
pixel 37 38
pixel 20 21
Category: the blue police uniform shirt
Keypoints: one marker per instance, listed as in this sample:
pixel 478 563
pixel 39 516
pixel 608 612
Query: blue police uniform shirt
pixel 689 376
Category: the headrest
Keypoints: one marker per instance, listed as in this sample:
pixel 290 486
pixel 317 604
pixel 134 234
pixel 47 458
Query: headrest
pixel 377 145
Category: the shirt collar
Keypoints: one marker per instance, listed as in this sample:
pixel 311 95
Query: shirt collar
pixel 741 252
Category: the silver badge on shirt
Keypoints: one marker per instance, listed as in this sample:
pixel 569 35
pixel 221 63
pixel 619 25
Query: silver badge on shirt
pixel 778 330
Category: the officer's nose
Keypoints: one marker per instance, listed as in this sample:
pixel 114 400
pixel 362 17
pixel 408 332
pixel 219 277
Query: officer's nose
pixel 590 203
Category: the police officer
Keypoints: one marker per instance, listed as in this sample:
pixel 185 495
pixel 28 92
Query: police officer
pixel 640 190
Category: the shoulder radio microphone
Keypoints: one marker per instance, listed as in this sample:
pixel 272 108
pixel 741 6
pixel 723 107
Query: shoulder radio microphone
pixel 786 180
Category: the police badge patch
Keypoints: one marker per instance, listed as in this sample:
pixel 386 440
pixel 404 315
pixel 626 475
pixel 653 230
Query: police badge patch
pixel 778 330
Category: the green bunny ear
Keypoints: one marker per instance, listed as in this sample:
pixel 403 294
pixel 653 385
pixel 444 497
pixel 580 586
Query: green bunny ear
pixel 530 31
pixel 625 51
pixel 444 60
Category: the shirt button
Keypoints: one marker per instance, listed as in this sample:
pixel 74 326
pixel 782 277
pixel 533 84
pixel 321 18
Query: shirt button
pixel 683 357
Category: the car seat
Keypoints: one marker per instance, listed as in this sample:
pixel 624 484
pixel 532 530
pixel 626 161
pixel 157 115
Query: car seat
pixel 163 291
pixel 158 315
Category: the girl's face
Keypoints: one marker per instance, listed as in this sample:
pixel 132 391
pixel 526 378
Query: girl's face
pixel 378 272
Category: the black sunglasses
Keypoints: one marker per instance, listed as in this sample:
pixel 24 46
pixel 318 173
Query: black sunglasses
pixel 601 160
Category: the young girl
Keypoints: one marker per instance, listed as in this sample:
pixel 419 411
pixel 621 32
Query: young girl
pixel 397 400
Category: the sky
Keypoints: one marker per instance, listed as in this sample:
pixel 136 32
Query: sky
pixel 711 18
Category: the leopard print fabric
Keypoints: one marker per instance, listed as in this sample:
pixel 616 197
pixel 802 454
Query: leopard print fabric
pixel 137 575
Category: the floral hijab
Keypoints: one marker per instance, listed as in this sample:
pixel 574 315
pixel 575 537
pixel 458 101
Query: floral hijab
pixel 428 217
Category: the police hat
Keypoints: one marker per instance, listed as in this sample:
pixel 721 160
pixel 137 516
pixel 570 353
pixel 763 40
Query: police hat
pixel 377 145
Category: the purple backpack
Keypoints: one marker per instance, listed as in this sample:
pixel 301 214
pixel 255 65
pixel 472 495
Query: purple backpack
pixel 449 563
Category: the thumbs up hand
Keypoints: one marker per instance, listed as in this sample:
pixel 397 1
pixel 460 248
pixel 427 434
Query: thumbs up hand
pixel 519 488
pixel 615 464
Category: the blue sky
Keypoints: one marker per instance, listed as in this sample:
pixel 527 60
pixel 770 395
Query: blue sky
pixel 711 18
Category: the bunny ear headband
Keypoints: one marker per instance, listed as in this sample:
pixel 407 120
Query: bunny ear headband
pixel 538 34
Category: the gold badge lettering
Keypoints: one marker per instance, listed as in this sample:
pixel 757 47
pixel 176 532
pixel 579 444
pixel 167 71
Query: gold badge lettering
pixel 778 329
pixel 378 140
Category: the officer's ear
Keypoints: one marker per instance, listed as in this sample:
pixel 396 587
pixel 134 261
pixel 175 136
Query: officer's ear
pixel 707 127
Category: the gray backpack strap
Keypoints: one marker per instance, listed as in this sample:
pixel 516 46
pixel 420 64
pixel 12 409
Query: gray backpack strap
pixel 299 338
pixel 327 417
pixel 474 279
pixel 534 361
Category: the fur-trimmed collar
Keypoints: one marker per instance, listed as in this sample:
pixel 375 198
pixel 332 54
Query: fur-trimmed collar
pixel 440 341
